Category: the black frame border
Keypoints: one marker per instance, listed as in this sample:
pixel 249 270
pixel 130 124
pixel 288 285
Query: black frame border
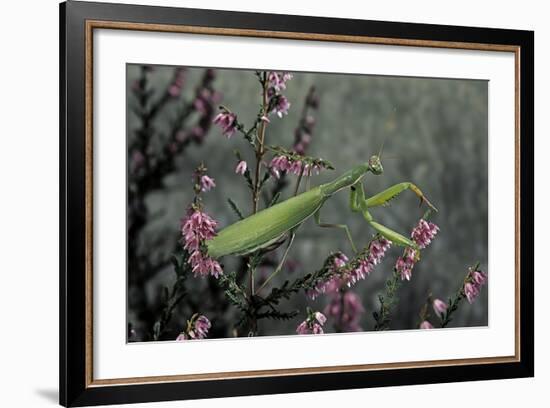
pixel 72 365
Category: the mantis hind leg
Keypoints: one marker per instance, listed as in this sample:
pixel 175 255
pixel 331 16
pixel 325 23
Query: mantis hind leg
pixel 283 259
pixel 317 216
pixel 387 195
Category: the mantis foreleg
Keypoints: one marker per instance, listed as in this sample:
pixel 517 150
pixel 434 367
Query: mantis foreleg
pixel 387 195
pixel 360 203
pixel 357 196
pixel 317 216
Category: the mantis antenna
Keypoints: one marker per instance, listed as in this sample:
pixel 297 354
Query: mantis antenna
pixel 382 147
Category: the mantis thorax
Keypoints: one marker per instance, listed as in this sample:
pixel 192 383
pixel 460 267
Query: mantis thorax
pixel 348 179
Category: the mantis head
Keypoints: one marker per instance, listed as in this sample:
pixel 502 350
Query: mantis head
pixel 375 166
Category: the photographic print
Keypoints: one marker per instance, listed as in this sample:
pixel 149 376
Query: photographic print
pixel 313 203
pixel 269 203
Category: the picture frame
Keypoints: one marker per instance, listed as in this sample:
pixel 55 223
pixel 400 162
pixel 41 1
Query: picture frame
pixel 79 21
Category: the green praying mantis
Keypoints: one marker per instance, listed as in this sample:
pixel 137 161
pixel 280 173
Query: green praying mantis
pixel 273 225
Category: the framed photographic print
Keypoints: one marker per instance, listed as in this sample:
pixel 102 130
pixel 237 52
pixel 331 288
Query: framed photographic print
pixel 256 203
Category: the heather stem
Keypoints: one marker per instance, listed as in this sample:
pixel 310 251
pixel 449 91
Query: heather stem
pixel 453 307
pixel 338 325
pixel 260 150
pixel 425 310
pixel 388 301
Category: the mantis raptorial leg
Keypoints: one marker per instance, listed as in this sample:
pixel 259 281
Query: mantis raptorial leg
pixel 317 216
pixel 360 203
pixel 388 194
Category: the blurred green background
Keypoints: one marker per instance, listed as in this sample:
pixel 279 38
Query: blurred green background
pixel 435 133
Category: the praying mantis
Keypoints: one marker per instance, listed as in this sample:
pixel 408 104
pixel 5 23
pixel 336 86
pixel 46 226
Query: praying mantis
pixel 272 225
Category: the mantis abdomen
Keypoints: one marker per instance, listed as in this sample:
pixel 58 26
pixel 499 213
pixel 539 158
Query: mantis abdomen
pixel 267 226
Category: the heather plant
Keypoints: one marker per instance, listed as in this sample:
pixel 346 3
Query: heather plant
pixel 153 153
pixel 261 238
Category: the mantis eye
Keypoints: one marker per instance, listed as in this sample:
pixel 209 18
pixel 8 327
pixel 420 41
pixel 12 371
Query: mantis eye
pixel 375 165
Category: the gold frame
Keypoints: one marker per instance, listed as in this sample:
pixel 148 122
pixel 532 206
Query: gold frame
pixel 99 24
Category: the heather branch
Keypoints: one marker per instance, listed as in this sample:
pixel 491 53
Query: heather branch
pixel 387 301
pixel 402 269
pixel 455 300
pixel 174 297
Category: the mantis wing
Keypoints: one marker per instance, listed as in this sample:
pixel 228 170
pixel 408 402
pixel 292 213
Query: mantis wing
pixel 265 227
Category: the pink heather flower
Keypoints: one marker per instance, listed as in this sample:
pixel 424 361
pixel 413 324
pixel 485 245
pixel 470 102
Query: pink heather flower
pixel 320 318
pixel 228 123
pixel 203 101
pixel 333 284
pixel 265 119
pixel 296 167
pixel 201 327
pixel 426 325
pixel 281 106
pixel 274 172
pixel 207 183
pixel 479 277
pixel 377 250
pixel 302 328
pixel 317 329
pixel 200 105
pixel 241 167
pixel 471 292
pixel 174 90
pixel 203 265
pixel 340 260
pixel 423 233
pixel 280 163
pixel 346 310
pixel 313 324
pixel 440 307
pixel 277 80
pixel 405 264
pixel 196 228
pixel 197 329
pixel 363 269
pixel 474 281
